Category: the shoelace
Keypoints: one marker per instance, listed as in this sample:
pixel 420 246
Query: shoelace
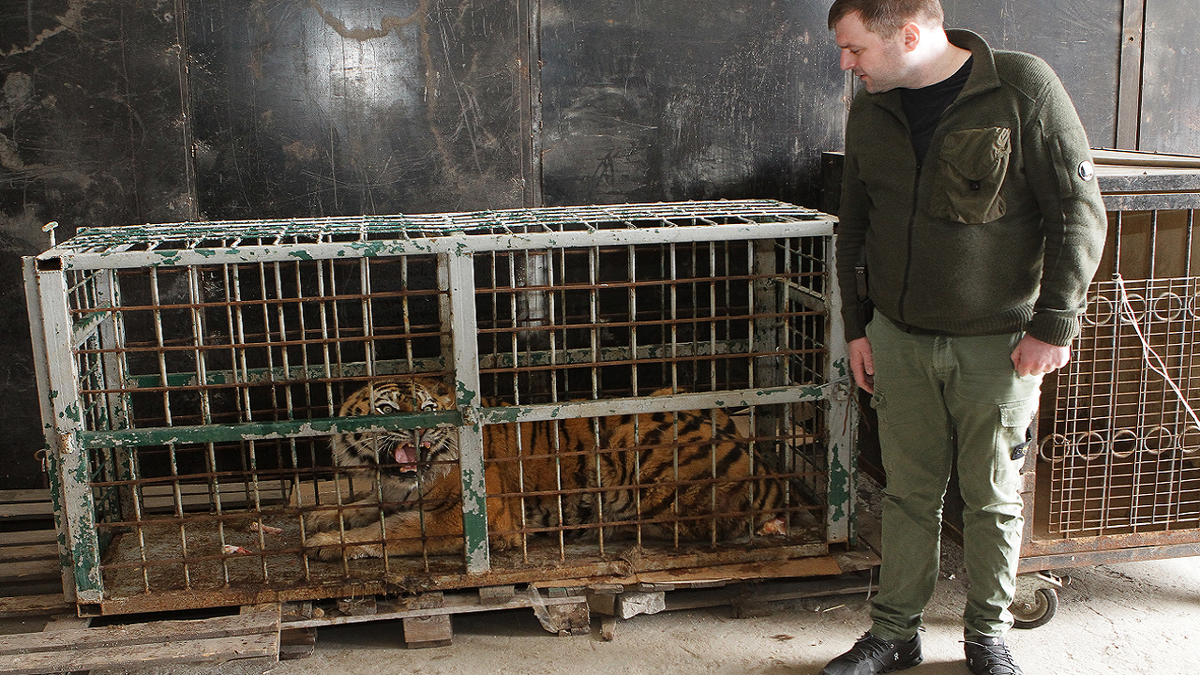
pixel 868 647
pixel 994 659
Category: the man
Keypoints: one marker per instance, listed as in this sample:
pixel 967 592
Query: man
pixel 969 192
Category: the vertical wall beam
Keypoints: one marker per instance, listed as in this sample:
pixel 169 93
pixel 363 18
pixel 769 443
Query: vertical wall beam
pixel 1129 85
pixel 531 87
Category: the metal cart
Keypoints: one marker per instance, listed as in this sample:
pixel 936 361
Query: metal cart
pixel 1117 474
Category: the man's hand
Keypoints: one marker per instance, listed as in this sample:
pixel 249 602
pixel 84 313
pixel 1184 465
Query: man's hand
pixel 1034 357
pixel 862 364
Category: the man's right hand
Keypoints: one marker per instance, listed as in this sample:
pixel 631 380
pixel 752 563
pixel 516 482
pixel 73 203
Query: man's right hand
pixel 862 364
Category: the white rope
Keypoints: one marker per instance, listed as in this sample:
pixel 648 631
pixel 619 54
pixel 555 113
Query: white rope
pixel 1151 357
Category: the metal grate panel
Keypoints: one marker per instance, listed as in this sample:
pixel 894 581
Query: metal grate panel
pixel 1125 452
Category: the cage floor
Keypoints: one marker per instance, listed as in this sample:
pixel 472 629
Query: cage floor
pixel 235 553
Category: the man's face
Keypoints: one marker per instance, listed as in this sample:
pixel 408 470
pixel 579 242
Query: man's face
pixel 878 62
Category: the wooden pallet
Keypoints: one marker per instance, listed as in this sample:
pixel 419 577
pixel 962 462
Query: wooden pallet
pixel 30 572
pixel 288 630
pixel 67 645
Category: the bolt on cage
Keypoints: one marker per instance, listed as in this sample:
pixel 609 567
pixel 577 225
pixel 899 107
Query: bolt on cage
pixel 192 377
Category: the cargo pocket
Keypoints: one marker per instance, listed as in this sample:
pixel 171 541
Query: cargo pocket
pixel 1013 440
pixel 970 172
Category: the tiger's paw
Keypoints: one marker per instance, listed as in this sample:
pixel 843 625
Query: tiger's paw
pixel 321 521
pixel 327 546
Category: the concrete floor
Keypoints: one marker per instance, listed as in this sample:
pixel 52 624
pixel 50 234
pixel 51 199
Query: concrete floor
pixel 1141 617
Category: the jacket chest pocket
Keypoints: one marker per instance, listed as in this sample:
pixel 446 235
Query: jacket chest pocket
pixel 970 172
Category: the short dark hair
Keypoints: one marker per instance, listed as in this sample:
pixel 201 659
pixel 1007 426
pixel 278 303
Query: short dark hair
pixel 886 17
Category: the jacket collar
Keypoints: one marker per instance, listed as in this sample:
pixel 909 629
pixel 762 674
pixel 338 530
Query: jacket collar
pixel 983 71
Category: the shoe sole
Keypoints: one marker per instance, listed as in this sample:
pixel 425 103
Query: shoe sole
pixel 903 666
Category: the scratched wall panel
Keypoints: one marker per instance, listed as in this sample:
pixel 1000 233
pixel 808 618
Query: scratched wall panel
pixel 337 107
pixel 1170 120
pixel 655 99
pixel 91 133
pixel 1080 39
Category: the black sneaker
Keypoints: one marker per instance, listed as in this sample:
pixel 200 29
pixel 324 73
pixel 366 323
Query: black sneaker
pixel 989 656
pixel 871 655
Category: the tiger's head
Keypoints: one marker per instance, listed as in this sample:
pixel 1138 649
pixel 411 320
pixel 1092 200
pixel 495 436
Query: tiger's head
pixel 413 453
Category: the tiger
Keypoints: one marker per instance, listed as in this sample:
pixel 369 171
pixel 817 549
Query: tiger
pixel 537 480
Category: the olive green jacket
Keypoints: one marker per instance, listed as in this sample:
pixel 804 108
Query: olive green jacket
pixel 1000 231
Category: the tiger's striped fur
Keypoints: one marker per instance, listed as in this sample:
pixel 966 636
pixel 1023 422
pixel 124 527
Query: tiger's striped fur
pixel 686 473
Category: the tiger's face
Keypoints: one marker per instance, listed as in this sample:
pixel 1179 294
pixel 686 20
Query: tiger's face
pixel 411 453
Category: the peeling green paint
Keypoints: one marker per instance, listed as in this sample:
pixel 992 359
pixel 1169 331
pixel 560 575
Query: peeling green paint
pixel 465 397
pixel 301 255
pixel 72 413
pixel 475 536
pixel 168 257
pixel 839 486
pixel 842 367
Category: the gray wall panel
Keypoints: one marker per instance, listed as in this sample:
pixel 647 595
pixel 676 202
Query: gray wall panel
pixel 1080 39
pixel 1170 119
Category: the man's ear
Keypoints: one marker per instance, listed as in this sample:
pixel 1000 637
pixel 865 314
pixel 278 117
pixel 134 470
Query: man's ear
pixel 910 35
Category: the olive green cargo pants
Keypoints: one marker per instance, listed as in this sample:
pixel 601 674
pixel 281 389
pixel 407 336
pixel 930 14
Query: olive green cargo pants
pixel 938 395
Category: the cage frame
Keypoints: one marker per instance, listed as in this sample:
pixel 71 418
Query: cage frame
pixel 454 239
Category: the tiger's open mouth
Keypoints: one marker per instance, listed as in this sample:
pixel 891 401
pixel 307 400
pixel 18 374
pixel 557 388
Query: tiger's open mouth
pixel 408 456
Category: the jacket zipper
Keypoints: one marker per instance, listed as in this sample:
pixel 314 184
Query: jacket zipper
pixel 912 216
pixel 912 223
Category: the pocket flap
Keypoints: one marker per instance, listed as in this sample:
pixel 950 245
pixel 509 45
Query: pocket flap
pixel 1018 414
pixel 976 153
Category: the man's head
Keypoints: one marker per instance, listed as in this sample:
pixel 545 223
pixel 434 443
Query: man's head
pixel 881 40
pixel 887 17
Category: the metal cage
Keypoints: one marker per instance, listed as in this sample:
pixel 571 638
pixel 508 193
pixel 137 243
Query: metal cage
pixel 192 377
pixel 1118 469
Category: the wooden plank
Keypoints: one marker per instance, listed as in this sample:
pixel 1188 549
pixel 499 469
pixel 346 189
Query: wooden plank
pixel 34 495
pixel 297 643
pixel 1130 73
pixel 144 633
pixel 33 604
pixel 428 631
pixel 34 570
pixel 67 622
pixel 29 552
pixel 29 537
pixel 233 495
pixel 26 510
pixel 144 656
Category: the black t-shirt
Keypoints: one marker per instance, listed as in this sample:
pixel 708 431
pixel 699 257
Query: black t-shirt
pixel 924 107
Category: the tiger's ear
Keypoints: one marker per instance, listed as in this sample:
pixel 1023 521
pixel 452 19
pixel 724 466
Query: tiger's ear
pixel 445 392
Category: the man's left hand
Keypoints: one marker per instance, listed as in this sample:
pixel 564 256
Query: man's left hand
pixel 1034 357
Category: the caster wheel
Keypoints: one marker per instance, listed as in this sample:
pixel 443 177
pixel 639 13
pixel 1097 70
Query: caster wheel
pixel 1034 608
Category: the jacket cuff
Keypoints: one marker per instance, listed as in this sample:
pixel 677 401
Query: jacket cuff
pixel 852 325
pixel 1055 329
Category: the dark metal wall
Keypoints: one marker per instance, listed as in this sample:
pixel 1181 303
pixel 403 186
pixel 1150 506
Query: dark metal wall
pixel 659 100
pixel 1170 92
pixel 1081 39
pixel 120 111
